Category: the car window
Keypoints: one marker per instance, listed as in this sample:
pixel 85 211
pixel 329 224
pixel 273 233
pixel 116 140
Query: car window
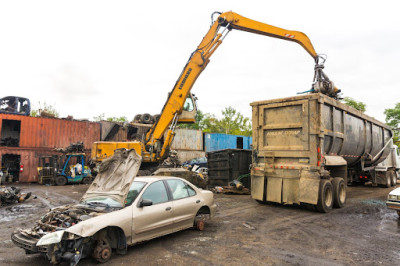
pixel 191 191
pixel 156 192
pixel 180 189
pixel 134 191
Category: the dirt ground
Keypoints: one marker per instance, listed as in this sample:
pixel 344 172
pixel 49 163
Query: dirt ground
pixel 243 232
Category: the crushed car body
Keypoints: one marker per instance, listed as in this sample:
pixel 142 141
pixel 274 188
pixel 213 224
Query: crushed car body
pixel 118 209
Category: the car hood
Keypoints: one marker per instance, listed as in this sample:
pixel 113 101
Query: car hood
pixel 115 176
pixel 395 192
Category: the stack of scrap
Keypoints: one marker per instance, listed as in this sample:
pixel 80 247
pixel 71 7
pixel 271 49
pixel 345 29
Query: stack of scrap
pixel 10 195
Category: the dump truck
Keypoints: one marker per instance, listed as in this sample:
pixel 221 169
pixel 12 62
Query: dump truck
pixel 306 149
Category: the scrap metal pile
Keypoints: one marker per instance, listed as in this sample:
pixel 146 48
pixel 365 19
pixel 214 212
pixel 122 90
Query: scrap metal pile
pixel 58 219
pixel 72 148
pixel 11 195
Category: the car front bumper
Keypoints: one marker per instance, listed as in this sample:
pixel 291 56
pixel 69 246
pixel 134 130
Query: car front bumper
pixel 27 243
pixel 391 204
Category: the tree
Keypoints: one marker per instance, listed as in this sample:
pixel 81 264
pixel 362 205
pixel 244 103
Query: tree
pixel 393 120
pixel 232 122
pixel 45 107
pixel 360 106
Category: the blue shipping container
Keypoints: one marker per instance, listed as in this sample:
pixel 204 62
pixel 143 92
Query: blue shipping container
pixel 217 141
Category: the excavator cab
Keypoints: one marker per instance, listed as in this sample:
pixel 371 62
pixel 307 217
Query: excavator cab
pixel 189 110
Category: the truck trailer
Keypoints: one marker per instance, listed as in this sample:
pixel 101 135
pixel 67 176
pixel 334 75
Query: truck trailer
pixel 306 149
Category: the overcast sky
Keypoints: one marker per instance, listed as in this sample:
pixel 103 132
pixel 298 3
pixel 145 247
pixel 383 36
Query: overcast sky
pixel 121 58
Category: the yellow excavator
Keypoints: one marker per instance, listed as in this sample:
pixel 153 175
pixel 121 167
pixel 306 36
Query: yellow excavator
pixel 180 105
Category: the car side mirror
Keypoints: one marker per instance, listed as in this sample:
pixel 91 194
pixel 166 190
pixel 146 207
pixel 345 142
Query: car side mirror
pixel 144 203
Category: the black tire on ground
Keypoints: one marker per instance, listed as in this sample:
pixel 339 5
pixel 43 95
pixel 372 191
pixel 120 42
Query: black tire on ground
pixel 393 178
pixel 388 181
pixel 61 180
pixel 339 192
pixel 86 180
pixel 325 196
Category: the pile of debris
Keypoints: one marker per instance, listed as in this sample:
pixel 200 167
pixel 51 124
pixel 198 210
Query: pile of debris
pixel 235 187
pixel 11 195
pixel 73 148
pixel 58 219
pixel 195 178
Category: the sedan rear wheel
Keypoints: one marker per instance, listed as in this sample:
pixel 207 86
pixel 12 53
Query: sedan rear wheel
pixel 200 225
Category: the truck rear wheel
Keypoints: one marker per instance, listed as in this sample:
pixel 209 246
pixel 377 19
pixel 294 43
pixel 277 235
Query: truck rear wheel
pixel 325 196
pixel 339 192
pixel 393 178
pixel 388 181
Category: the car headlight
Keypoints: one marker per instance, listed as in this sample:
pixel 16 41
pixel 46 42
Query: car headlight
pixel 51 238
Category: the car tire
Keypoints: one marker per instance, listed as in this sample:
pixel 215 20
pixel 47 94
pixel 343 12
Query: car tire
pixel 339 192
pixel 61 180
pixel 325 196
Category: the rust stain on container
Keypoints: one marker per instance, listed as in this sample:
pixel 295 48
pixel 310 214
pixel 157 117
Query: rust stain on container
pixel 39 136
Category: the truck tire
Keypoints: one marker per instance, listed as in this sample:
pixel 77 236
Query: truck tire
pixel 325 196
pixel 61 180
pixel 388 181
pixel 339 192
pixel 393 178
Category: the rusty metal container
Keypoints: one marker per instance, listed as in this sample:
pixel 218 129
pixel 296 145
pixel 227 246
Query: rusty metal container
pixel 39 136
pixel 188 143
pixel 299 140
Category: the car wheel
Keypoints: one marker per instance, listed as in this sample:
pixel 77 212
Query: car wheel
pixel 102 251
pixel 200 225
pixel 325 196
pixel 61 180
pixel 339 192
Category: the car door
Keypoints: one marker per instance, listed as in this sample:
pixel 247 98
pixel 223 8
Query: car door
pixel 186 203
pixel 152 221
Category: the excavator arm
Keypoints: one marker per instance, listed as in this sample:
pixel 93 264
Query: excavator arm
pixel 198 62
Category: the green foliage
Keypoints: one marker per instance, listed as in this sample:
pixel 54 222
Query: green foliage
pixel 102 117
pixel 232 122
pixel 48 108
pixel 393 120
pixel 360 106
pixel 117 119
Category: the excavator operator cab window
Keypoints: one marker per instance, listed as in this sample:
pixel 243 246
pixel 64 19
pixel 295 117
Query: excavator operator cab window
pixel 188 105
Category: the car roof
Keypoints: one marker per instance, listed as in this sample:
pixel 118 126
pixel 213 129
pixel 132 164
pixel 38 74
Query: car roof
pixel 155 178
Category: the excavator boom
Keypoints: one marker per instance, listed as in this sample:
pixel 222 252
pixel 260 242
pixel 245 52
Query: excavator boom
pixel 197 63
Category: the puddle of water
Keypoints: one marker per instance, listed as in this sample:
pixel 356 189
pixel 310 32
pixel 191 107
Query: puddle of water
pixel 13 212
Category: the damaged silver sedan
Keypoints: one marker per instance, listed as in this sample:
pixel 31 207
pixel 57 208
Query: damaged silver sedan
pixel 118 209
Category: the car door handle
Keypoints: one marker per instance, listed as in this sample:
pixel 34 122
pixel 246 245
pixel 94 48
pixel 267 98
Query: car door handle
pixel 198 201
pixel 168 208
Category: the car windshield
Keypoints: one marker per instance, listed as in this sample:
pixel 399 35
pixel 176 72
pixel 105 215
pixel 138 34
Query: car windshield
pixel 101 202
pixel 134 191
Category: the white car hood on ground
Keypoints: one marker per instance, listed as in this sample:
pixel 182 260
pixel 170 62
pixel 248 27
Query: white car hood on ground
pixel 115 176
pixel 395 192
